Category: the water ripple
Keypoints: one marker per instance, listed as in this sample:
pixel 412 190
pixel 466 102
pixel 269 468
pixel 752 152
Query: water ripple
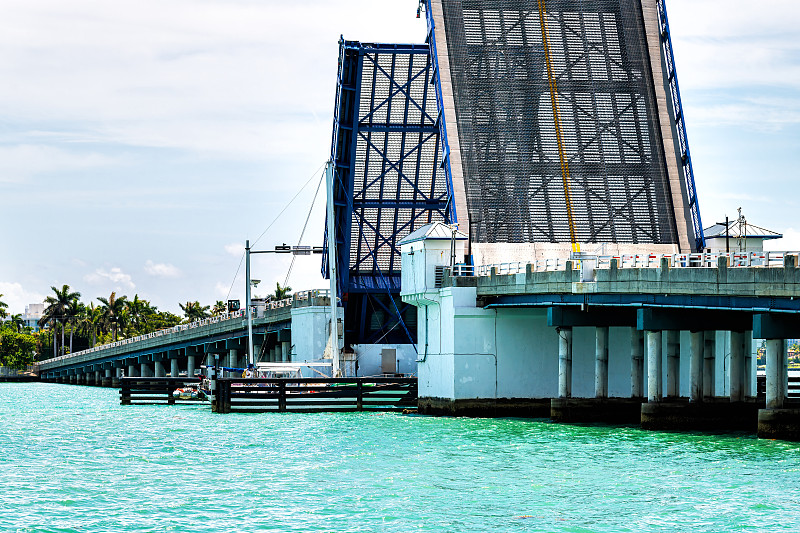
pixel 72 459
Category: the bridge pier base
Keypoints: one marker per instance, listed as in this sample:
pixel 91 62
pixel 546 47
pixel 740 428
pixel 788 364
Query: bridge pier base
pixel 107 378
pixel 606 410
pixel 712 414
pixel 779 423
pixel 489 407
pixel 190 364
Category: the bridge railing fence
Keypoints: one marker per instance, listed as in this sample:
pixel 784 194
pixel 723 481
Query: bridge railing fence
pixel 766 259
pixel 314 394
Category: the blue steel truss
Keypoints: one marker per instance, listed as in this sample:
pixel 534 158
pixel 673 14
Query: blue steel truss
pixel 680 126
pixel 386 151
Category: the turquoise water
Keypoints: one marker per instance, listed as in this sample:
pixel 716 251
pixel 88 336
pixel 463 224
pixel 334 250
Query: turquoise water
pixel 72 459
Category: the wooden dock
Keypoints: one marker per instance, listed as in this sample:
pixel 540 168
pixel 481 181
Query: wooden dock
pixel 150 390
pixel 315 394
pixel 280 394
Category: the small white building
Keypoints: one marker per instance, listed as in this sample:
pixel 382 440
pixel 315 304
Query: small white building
pixel 33 313
pixel 739 236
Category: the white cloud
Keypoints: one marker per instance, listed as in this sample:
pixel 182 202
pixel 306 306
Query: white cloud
pixel 16 297
pixel 789 242
pixel 235 249
pixel 115 275
pixel 162 270
pixel 19 162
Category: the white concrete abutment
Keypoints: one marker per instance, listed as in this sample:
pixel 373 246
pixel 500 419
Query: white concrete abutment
pixel 624 347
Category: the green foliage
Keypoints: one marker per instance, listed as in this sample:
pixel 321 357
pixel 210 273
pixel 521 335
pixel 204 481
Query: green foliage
pixel 219 308
pixel 3 307
pixel 281 292
pixel 194 311
pixel 17 350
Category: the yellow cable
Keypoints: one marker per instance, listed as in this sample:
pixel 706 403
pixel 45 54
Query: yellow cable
pixel 562 156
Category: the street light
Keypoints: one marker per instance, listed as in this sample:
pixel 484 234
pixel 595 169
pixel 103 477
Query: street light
pixel 280 249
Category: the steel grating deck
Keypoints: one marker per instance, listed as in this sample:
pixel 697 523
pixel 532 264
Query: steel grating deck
pixel 514 178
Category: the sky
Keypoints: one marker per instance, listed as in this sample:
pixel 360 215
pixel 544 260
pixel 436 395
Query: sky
pixel 141 143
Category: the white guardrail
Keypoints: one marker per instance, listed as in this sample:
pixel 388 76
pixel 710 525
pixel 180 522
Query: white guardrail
pixel 278 304
pixel 699 260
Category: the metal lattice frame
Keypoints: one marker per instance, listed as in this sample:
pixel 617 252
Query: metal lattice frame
pixel 389 179
pixel 680 125
pixel 605 102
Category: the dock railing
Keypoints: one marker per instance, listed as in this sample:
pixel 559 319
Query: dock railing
pixel 315 394
pixel 698 260
pixel 152 390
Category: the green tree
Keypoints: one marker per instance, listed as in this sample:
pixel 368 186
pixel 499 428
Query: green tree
pixel 16 323
pixel 114 314
pixel 57 310
pixel 194 311
pixel 219 308
pixel 17 350
pixel 281 292
pixel 163 320
pixel 3 307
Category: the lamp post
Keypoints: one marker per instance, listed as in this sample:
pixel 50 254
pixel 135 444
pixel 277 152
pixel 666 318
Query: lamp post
pixel 281 249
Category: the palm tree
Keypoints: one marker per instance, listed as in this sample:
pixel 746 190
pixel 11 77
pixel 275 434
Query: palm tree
pixel 137 313
pixel 17 323
pixel 113 310
pixel 194 311
pixel 3 307
pixel 218 308
pixel 72 315
pixel 281 292
pixel 57 310
pixel 89 319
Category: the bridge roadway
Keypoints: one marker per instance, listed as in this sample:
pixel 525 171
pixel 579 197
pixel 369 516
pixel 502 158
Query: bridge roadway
pixel 665 341
pixel 183 348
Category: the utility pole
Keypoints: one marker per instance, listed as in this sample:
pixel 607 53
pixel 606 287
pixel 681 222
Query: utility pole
pixel 250 355
pixel 334 337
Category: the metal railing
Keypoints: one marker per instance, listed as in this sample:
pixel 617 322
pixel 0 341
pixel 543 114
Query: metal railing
pixel 697 260
pixel 236 315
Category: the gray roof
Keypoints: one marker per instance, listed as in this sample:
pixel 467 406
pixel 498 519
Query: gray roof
pixel 435 231
pixel 749 230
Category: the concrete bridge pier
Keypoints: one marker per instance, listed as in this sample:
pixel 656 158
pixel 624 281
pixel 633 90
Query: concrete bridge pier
pixel 696 366
pixel 637 363
pixel 564 362
pixel 673 364
pixel 654 375
pixel 158 365
pixel 145 370
pixel 97 381
pixel 132 371
pixel 232 359
pixel 190 365
pixel 601 363
pixel 709 364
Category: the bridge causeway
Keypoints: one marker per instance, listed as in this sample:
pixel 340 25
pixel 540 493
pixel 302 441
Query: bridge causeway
pixel 183 348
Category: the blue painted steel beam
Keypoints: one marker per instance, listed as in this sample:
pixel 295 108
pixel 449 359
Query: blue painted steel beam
pixel 680 126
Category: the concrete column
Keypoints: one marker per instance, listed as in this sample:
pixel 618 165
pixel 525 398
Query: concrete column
pixel 673 364
pixel 637 363
pixel 709 362
pixel 777 374
pixel 145 370
pixel 748 364
pixel 160 371
pixel 286 351
pixel 173 367
pixel 601 363
pixel 736 373
pixel 564 362
pixel 132 371
pixel 654 377
pixel 232 362
pixel 696 366
pixel 97 378
pixel 190 365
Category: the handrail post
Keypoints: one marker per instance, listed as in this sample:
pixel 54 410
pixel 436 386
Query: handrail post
pixel 281 395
